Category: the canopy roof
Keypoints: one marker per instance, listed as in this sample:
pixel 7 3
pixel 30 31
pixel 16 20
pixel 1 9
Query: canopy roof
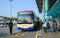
pixel 40 3
pixel 55 11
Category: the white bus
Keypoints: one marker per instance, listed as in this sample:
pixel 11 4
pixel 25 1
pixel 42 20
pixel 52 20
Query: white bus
pixel 27 20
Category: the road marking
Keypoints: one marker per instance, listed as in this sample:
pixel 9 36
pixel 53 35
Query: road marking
pixel 18 36
pixel 22 35
pixel 36 34
pixel 39 35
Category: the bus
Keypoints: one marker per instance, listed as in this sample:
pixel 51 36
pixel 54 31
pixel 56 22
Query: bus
pixel 27 20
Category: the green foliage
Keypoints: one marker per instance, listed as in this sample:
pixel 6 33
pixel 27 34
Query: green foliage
pixel 8 18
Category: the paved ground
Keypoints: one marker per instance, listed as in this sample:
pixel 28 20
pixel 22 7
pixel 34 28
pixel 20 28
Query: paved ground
pixel 50 34
pixel 4 33
pixel 29 34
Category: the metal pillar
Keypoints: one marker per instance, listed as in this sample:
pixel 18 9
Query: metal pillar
pixel 10 8
pixel 43 13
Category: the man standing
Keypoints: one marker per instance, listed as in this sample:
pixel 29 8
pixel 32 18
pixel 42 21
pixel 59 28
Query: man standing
pixel 41 24
pixel 38 23
pixel 10 26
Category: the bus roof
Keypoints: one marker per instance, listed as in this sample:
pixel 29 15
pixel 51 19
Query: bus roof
pixel 27 11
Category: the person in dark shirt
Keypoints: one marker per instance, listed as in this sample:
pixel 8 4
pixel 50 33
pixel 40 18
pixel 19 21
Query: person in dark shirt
pixel 38 23
pixel 54 26
pixel 41 24
pixel 10 26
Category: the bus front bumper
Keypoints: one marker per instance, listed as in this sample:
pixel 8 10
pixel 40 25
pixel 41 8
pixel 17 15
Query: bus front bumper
pixel 30 28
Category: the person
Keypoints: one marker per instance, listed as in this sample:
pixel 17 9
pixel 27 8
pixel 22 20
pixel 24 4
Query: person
pixel 51 25
pixel 48 26
pixel 41 24
pixel 10 26
pixel 54 26
pixel 45 27
pixel 38 23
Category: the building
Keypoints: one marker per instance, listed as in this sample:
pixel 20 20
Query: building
pixel 40 3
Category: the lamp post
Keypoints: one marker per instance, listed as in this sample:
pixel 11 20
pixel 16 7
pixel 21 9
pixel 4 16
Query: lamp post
pixel 10 8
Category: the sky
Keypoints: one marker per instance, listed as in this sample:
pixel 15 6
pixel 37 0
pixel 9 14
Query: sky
pixel 17 5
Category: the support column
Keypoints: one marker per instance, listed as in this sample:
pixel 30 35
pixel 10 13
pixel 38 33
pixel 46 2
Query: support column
pixel 43 13
pixel 46 6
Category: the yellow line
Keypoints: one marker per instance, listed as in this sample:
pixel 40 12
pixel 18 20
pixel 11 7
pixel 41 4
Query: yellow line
pixel 36 34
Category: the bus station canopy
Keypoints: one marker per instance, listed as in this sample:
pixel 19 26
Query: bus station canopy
pixel 55 10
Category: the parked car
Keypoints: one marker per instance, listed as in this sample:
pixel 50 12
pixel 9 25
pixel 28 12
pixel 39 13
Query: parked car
pixel 1 24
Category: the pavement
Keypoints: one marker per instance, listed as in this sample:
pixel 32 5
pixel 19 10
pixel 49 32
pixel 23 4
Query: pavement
pixel 48 34
pixel 4 33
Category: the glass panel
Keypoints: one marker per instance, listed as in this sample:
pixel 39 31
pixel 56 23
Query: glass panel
pixel 24 17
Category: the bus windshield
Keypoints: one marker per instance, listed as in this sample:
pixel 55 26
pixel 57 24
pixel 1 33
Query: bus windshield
pixel 25 18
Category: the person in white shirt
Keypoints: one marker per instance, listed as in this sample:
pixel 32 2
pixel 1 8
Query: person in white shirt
pixel 51 25
pixel 45 26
